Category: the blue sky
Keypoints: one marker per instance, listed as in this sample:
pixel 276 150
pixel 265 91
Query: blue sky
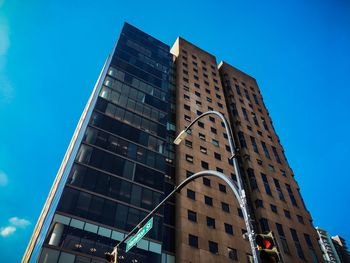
pixel 51 53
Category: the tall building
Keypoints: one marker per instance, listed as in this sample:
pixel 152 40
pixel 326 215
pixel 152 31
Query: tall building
pixel 121 163
pixel 341 248
pixel 329 252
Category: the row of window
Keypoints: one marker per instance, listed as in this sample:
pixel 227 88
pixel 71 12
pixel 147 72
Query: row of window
pixel 111 163
pixel 105 211
pixel 254 186
pixel 113 187
pixel 125 148
pixel 131 118
pixel 243 144
pixel 213 247
pixel 208 200
pixel 133 105
pixel 187 98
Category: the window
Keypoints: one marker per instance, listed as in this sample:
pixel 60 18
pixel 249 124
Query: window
pixel 185 79
pixel 254 118
pixel 278 189
pixel 220 105
pixel 273 208
pixel 193 240
pixel 203 149
pixel 256 99
pixel 217 156
pixel 242 140
pixel 264 225
pixel 291 195
pixel 266 184
pixel 213 247
pixel 255 147
pixel 188 173
pixel 192 216
pixel 282 237
pixel 208 200
pixel 300 219
pixel 210 222
pixel 215 142
pixel 196 85
pixel 188 143
pixel 259 162
pixel 189 158
pixel 200 124
pixel 287 214
pixel 187 118
pixel 259 203
pixel 206 181
pixel 225 207
pixel 197 94
pixel 213 130
pixel 266 152
pixel 219 170
pixel 209 99
pixel 245 114
pixel 228 229
pixel 198 103
pixel 201 136
pixel 240 212
pixel 297 243
pixel 186 97
pixel 205 165
pixel 199 112
pixel 191 194
pixel 232 254
pixel 187 107
pixel 222 188
pixel 218 96
pixel 252 179
pixel 212 119
pixel 274 150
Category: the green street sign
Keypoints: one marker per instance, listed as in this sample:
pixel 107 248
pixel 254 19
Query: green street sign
pixel 139 235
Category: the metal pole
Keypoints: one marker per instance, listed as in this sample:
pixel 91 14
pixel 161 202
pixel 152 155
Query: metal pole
pixel 178 188
pixel 242 195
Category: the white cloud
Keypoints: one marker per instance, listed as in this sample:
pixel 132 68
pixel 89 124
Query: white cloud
pixel 6 231
pixel 3 178
pixel 19 222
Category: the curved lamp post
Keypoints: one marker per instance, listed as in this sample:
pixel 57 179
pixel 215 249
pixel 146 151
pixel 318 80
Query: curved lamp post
pixel 177 189
pixel 236 188
pixel 241 197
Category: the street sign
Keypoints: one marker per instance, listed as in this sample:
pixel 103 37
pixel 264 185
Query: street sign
pixel 139 235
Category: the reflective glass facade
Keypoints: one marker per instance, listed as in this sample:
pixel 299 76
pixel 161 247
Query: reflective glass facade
pixel 124 164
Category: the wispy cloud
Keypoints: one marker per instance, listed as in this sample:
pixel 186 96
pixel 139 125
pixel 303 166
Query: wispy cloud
pixel 19 222
pixel 3 178
pixel 7 231
pixel 15 223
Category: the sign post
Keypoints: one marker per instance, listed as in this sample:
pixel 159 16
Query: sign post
pixel 139 235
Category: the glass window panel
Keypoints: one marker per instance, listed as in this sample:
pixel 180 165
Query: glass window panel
pixel 128 171
pixel 104 231
pixel 77 223
pixel 90 228
pixel 136 195
pixel 83 204
pixel 66 258
pixel 49 256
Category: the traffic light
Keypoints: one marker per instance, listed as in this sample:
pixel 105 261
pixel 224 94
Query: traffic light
pixel 267 248
pixel 111 257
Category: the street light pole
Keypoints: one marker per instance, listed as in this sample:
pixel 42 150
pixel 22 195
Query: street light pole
pixel 241 193
pixel 112 257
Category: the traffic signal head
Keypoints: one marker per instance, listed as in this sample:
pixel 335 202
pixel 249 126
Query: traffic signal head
pixel 267 248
